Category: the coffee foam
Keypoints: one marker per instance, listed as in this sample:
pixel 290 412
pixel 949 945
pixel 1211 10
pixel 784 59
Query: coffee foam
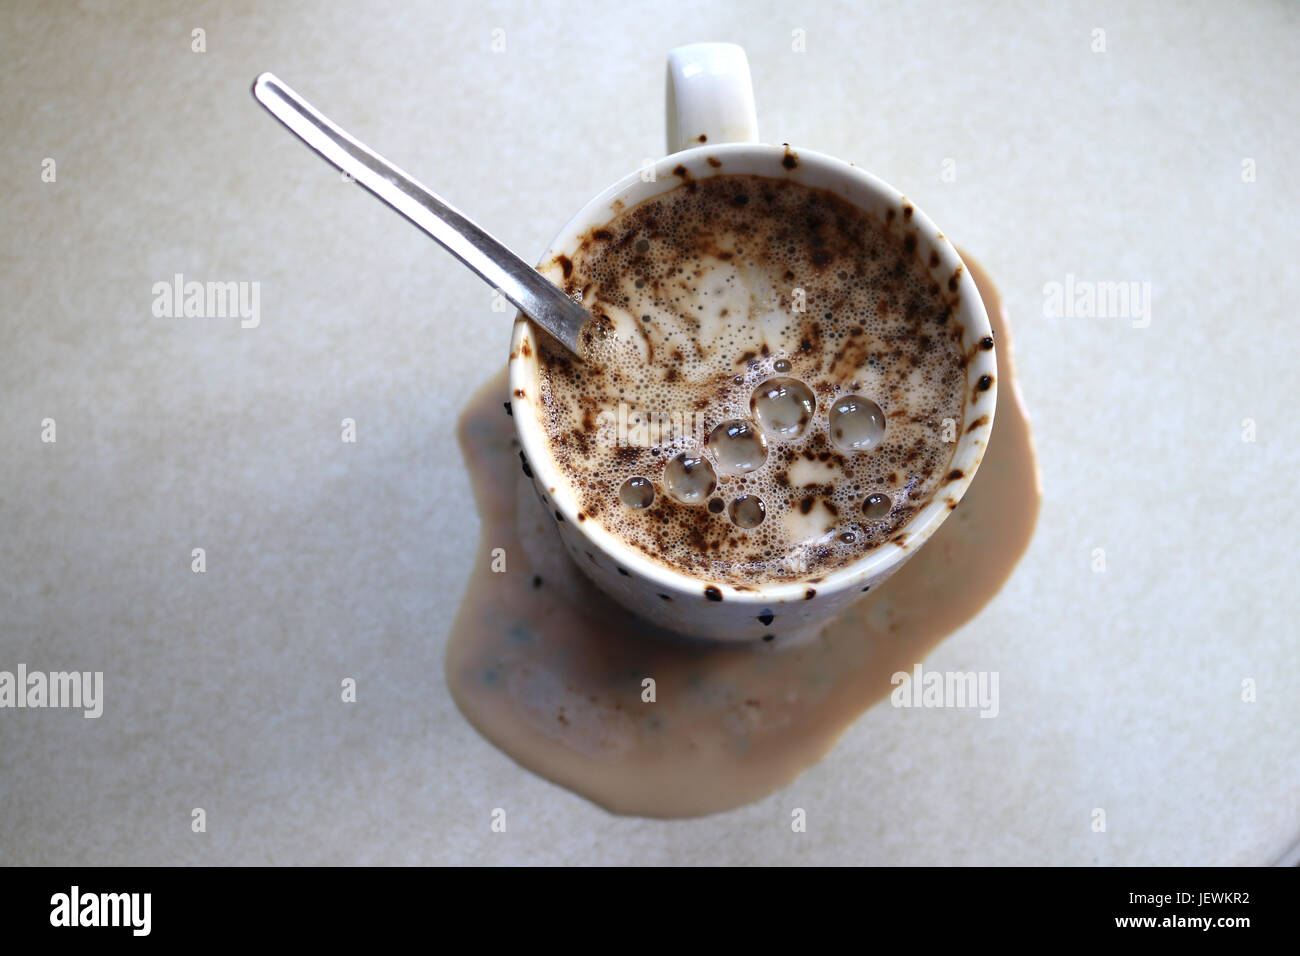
pixel 701 290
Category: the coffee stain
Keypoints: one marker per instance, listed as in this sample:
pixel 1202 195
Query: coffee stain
pixel 554 673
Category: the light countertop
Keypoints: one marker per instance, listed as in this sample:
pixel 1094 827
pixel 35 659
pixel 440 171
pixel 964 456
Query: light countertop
pixel 1168 159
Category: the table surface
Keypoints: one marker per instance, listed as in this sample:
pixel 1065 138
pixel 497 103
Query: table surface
pixel 1165 158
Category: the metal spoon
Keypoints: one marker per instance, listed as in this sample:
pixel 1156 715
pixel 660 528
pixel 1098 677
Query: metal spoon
pixel 519 282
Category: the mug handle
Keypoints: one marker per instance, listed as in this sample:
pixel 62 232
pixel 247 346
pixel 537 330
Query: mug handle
pixel 710 96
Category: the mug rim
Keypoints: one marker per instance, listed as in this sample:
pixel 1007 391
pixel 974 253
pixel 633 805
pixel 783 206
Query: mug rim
pixel 978 405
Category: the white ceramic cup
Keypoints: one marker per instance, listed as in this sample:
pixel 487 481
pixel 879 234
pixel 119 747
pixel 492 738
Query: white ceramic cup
pixel 710 106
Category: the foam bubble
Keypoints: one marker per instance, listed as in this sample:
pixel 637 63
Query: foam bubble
pixel 783 407
pixel 857 423
pixel 637 492
pixel 737 447
pixel 748 511
pixel 690 478
pixel 876 506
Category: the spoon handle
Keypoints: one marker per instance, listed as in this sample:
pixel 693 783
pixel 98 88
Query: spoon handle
pixel 530 291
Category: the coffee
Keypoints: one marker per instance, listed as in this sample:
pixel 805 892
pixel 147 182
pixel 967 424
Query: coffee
pixel 779 384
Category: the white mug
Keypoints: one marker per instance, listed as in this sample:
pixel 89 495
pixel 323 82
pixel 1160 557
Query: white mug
pixel 711 120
